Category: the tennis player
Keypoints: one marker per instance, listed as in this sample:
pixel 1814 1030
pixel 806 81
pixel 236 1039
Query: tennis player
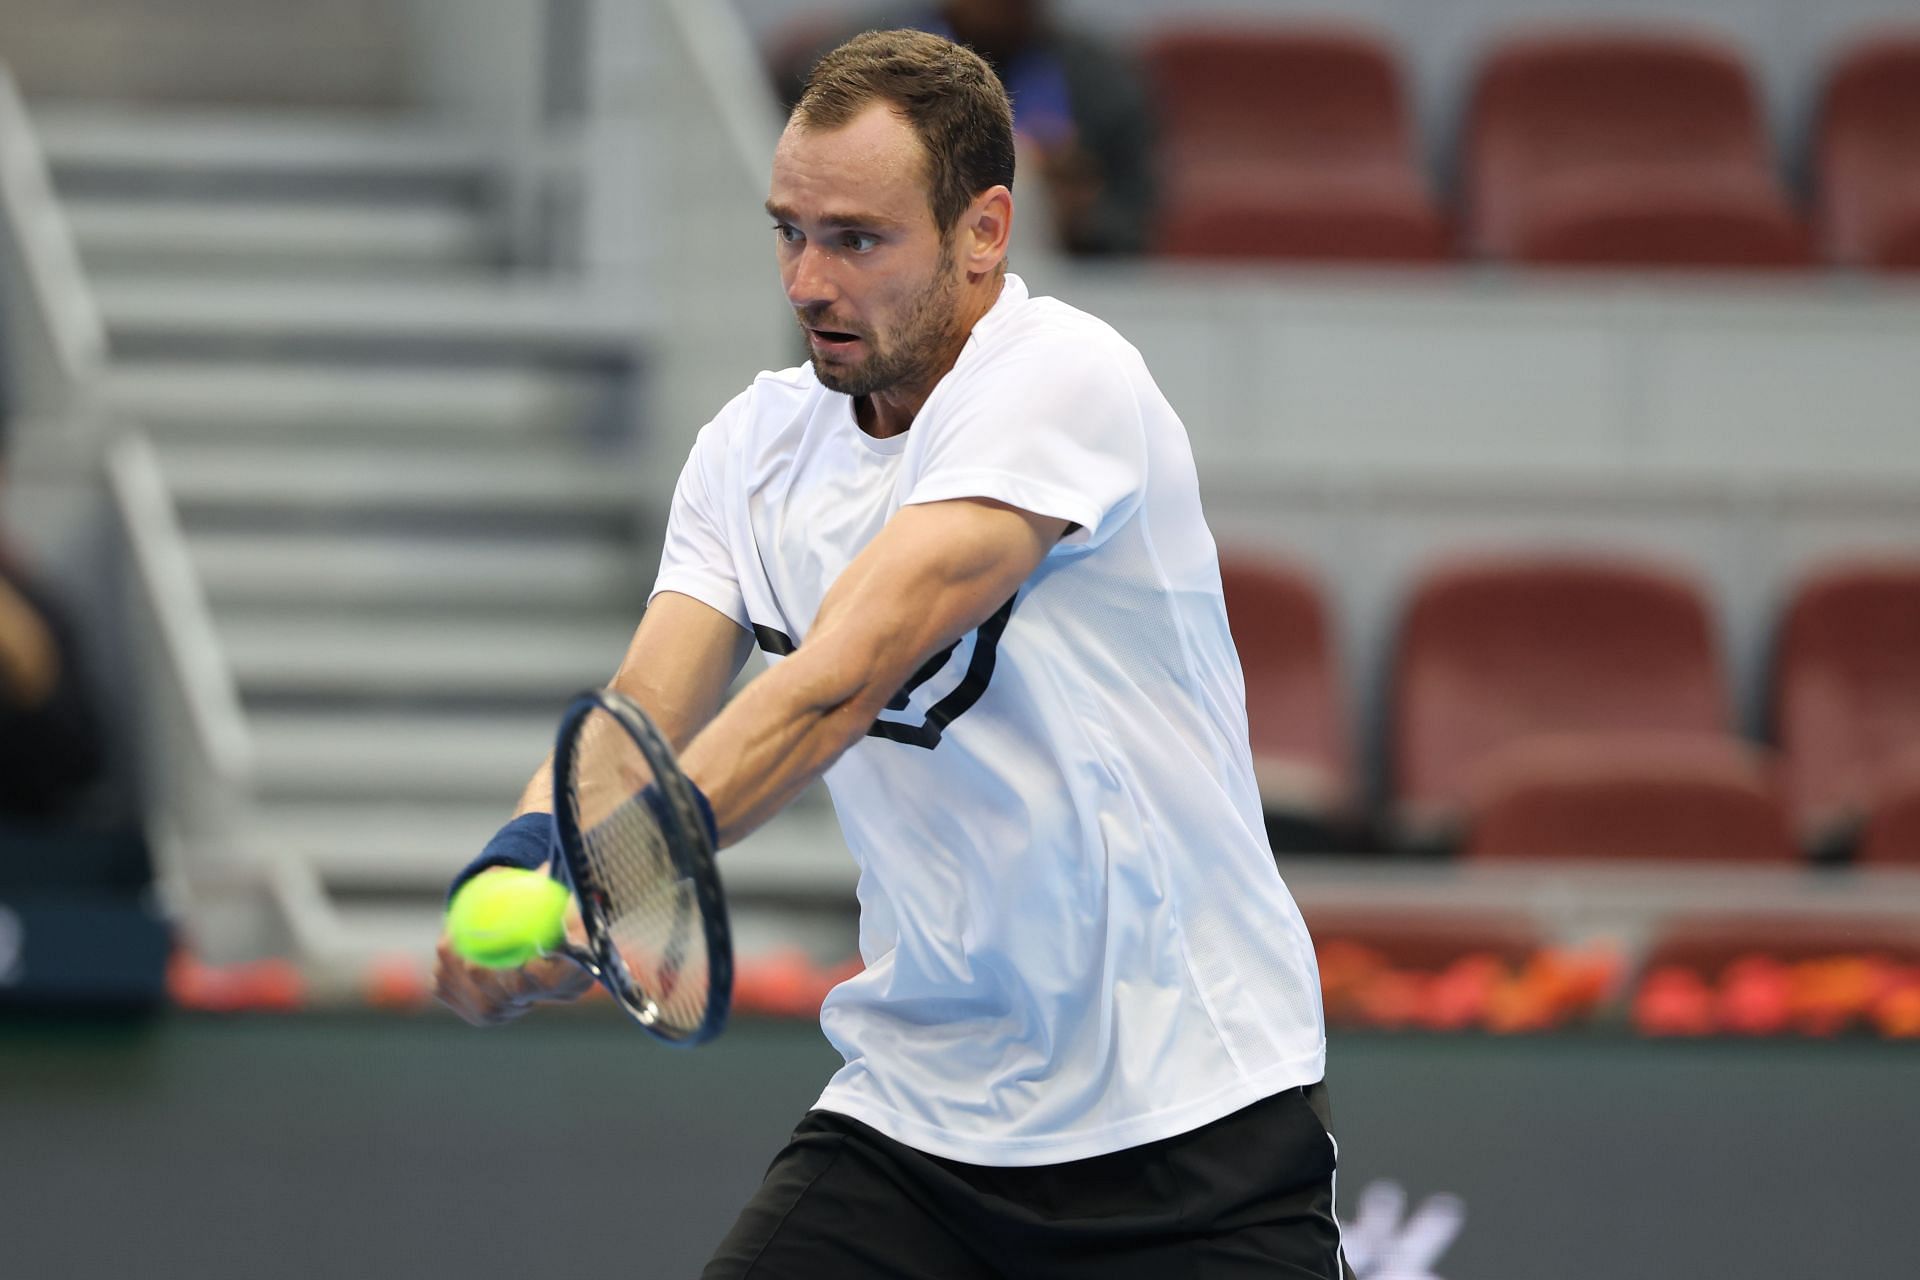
pixel 968 536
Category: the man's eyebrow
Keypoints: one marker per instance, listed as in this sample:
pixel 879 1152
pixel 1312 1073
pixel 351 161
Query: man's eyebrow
pixel 780 213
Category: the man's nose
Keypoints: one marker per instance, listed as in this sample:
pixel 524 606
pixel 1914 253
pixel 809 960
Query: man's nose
pixel 810 283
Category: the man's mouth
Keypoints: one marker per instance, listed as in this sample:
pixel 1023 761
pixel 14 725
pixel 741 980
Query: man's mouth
pixel 831 339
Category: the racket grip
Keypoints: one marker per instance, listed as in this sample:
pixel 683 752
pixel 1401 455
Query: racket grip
pixel 526 842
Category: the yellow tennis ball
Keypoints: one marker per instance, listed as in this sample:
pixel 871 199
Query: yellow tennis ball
pixel 504 917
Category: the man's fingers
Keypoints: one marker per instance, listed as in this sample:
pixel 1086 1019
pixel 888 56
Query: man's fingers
pixel 488 997
pixel 556 978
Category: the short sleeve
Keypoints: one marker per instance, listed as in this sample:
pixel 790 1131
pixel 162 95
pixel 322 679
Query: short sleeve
pixel 1051 425
pixel 697 560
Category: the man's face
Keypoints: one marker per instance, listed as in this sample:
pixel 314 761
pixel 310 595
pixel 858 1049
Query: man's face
pixel 871 279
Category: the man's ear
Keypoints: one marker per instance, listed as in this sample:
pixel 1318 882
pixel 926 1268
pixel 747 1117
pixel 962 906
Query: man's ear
pixel 985 229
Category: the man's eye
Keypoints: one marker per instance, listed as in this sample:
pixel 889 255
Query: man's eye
pixel 786 233
pixel 859 241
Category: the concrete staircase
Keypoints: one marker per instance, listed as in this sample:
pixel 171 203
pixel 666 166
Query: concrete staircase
pixel 403 470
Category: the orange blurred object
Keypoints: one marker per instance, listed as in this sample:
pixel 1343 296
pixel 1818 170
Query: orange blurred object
pixel 1754 996
pixel 1459 995
pixel 1828 995
pixel 397 982
pixel 272 985
pixel 1528 1002
pixel 1673 1001
pixel 783 983
pixel 1897 1012
pixel 1392 999
pixel 1345 970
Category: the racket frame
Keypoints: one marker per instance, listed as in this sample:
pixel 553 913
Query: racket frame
pixel 690 847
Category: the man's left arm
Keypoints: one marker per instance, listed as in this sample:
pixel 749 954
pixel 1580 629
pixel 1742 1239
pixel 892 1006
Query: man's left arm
pixel 934 573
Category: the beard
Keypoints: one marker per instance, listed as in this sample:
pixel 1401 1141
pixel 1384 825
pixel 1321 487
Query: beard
pixel 912 352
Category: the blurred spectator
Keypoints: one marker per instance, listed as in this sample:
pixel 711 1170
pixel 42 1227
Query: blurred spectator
pixel 1078 104
pixel 50 744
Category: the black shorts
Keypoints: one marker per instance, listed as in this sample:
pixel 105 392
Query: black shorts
pixel 1248 1195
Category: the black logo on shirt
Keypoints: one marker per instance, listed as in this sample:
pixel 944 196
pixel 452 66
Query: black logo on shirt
pixel 944 712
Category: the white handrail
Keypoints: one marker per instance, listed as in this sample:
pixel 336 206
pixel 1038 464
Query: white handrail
pixel 46 255
pixel 726 61
pixel 179 606
pixel 62 313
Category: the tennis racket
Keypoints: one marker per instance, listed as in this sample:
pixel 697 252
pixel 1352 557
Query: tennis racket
pixel 635 846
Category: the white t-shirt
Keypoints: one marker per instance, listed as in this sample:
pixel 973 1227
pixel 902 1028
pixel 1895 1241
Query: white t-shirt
pixel 1075 938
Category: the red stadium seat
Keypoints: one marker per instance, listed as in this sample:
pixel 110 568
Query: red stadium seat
pixel 1847 690
pixel 1633 148
pixel 1867 155
pixel 1494 651
pixel 1628 796
pixel 1295 702
pixel 1892 832
pixel 1288 142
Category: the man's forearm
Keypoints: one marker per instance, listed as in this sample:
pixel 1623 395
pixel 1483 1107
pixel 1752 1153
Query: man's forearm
pixel 538 796
pixel 782 732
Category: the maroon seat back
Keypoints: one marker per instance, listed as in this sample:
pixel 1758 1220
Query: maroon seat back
pixel 1288 142
pixel 1494 650
pixel 1633 147
pixel 1846 698
pixel 1656 797
pixel 1295 697
pixel 1867 154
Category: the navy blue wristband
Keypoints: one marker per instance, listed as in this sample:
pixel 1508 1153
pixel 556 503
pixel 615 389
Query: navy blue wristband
pixel 526 842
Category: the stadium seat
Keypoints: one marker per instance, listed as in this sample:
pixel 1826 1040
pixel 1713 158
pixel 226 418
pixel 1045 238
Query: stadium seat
pixel 1493 651
pixel 1846 698
pixel 1296 712
pixel 1629 147
pixel 1671 797
pixel 1892 833
pixel 1867 155
pixel 1288 143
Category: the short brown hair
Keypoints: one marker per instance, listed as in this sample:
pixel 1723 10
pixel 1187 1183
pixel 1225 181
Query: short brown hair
pixel 950 97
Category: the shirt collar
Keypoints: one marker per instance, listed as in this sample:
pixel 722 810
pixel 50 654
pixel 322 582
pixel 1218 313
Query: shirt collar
pixel 1013 293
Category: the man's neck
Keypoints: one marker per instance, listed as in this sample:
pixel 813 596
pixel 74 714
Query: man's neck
pixel 891 412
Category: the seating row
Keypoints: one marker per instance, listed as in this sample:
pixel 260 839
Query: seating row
pixel 1577 706
pixel 1630 146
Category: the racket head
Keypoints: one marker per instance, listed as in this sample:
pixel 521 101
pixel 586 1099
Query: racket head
pixel 635 846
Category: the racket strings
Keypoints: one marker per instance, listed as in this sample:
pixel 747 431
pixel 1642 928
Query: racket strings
pixel 650 911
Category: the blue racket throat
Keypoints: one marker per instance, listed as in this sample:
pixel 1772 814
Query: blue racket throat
pixel 656 802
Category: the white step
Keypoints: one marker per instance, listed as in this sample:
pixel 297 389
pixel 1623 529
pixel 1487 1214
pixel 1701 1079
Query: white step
pixel 414 846
pixel 344 571
pixel 387 844
pixel 275 237
pixel 328 655
pixel 413 757
pixel 184 140
pixel 311 397
pixel 264 478
pixel 533 314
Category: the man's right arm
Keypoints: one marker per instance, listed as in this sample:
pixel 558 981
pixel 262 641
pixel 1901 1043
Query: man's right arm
pixel 683 657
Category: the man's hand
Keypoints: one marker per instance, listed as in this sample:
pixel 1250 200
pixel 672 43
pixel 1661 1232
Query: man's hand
pixel 489 997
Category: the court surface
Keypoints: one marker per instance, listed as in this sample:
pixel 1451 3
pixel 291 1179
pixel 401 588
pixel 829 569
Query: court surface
pixel 376 1146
